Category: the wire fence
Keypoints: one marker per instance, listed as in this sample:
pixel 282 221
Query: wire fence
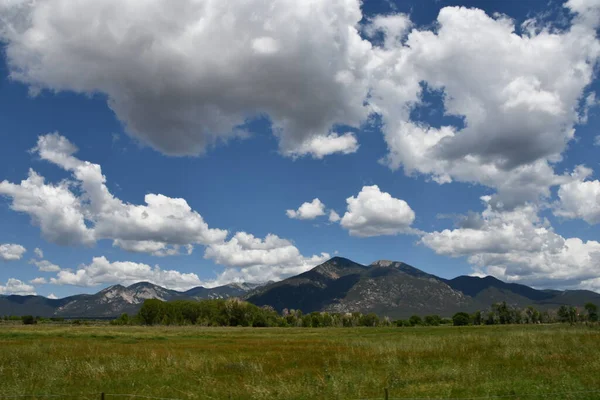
pixel 100 396
pixel 385 396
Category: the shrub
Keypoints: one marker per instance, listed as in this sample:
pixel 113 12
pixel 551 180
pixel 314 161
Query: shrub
pixel 592 311
pixel 415 320
pixel 29 320
pixel 477 318
pixel 122 320
pixel 461 319
pixel 432 320
pixel 369 320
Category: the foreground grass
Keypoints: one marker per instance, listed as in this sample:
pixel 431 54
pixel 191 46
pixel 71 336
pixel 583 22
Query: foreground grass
pixel 272 363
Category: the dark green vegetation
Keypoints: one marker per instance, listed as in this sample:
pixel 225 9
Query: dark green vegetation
pixel 235 312
pixel 244 363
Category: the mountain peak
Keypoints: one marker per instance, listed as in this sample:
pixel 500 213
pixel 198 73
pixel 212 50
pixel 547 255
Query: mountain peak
pixel 339 260
pixel 336 268
pixel 245 286
pixel 112 288
pixel 141 285
pixel 403 267
pixel 383 263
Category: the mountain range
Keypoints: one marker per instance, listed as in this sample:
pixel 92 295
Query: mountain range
pixel 112 301
pixel 387 288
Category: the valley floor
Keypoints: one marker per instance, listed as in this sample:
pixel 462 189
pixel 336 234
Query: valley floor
pixel 528 362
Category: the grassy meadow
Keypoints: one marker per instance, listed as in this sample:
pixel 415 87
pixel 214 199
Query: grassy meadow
pixel 301 363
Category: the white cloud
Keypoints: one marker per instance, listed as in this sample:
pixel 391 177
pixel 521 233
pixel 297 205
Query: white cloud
pixel 160 226
pixel 519 246
pixel 38 281
pixel 518 96
pixel 252 259
pixel 590 102
pixel 158 249
pixel 15 286
pixel 597 140
pixel 305 65
pixel 45 266
pixel 103 272
pixel 333 216
pixel 38 252
pixel 52 296
pixel 11 252
pixel 376 213
pixel 245 258
pixel 579 198
pixel 308 210
pixel 393 27
pixel 588 10
pixel 54 208
pixel 183 78
pixel 324 145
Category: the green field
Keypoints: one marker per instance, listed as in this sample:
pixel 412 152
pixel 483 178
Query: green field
pixel 300 363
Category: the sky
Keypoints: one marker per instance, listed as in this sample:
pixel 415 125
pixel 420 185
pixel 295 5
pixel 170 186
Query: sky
pixel 211 142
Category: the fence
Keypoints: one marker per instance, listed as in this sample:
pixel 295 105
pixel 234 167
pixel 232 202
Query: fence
pixel 385 396
pixel 101 396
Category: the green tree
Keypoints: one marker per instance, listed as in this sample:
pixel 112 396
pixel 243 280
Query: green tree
pixel 563 314
pixel 151 311
pixel 567 314
pixel 28 320
pixel 122 320
pixel 592 312
pixel 307 321
pixel 476 318
pixel 316 319
pixel 432 320
pixel 461 319
pixel 533 316
pixel 327 320
pixel 415 320
pixel 503 312
pixel 369 320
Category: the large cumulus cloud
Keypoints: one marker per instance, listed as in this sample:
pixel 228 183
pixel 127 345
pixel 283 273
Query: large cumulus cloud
pixel 184 76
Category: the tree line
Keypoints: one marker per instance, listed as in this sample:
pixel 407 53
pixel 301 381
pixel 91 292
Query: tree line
pixel 234 312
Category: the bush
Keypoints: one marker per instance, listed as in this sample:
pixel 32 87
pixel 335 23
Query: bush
pixel 415 320
pixel 369 320
pixel 477 318
pixel 122 320
pixel 433 320
pixel 461 319
pixel 29 320
pixel 402 323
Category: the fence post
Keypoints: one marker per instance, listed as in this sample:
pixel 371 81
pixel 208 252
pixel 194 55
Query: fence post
pixel 387 394
pixel 102 396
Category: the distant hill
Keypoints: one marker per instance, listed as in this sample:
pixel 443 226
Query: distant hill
pixel 387 288
pixel 399 290
pixel 112 301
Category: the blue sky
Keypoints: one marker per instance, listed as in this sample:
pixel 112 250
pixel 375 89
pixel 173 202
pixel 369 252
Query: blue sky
pixel 330 119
